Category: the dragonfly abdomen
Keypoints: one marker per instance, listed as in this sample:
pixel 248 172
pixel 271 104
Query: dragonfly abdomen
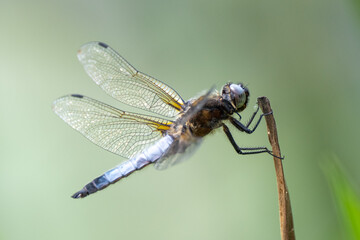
pixel 149 155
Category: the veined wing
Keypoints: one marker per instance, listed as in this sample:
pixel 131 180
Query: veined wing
pixel 174 156
pixel 123 82
pixel 122 133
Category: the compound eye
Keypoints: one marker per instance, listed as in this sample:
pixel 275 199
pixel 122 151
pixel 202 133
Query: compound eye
pixel 237 89
pixel 238 96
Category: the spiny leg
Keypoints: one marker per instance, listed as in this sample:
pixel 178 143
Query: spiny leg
pixel 245 151
pixel 246 128
pixel 252 117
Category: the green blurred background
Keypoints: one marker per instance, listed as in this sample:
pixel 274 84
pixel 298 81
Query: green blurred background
pixel 303 55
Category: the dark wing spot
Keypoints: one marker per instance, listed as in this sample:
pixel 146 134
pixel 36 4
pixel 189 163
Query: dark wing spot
pixel 77 95
pixel 103 45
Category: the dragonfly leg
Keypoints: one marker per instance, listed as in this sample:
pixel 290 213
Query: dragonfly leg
pixel 252 117
pixel 245 128
pixel 245 151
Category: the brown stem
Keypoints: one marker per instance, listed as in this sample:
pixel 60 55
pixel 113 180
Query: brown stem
pixel 286 219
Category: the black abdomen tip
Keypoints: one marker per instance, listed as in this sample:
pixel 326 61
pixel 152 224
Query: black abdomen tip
pixel 80 194
pixel 103 45
pixel 77 95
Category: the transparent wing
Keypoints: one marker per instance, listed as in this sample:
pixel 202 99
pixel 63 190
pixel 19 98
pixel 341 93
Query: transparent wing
pixel 122 133
pixel 123 82
pixel 178 153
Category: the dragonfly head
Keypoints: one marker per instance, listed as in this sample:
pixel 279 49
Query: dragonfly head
pixel 236 94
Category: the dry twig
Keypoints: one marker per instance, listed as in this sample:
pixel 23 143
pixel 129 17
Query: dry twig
pixel 286 219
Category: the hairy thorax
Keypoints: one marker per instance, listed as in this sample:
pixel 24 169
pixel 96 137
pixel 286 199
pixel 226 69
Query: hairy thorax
pixel 202 121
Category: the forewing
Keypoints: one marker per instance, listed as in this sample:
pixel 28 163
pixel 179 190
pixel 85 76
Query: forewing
pixel 122 133
pixel 123 82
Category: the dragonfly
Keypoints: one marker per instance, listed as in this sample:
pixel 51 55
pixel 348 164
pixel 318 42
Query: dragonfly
pixel 146 139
